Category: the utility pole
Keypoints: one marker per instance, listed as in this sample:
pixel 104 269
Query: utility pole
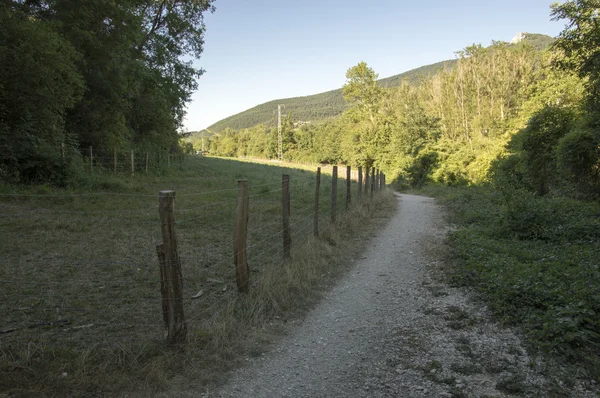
pixel 279 138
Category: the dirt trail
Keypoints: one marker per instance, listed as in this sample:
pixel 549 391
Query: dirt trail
pixel 390 328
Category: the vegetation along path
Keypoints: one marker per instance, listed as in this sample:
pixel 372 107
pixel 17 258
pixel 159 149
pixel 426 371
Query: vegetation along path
pixel 391 328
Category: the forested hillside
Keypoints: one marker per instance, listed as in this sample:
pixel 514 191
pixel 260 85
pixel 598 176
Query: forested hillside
pixel 317 107
pixel 74 74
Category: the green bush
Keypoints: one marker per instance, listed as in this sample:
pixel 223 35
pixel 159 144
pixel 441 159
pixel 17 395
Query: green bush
pixel 539 141
pixel 578 160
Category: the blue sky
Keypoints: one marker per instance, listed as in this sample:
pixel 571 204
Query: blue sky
pixel 261 50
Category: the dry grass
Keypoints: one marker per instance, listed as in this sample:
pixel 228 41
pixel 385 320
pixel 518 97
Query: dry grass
pixel 80 282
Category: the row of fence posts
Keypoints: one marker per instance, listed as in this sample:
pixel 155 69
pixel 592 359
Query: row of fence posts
pixel 170 157
pixel 171 286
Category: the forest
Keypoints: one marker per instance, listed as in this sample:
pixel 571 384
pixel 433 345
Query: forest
pixel 107 74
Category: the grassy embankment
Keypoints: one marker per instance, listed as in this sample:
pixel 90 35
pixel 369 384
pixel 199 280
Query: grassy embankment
pixel 535 260
pixel 80 283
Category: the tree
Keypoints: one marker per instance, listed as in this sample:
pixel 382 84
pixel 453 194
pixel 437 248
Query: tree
pixel 361 88
pixel 39 83
pixel 580 42
pixel 111 74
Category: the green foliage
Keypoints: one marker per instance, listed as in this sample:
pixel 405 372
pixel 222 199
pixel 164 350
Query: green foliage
pixel 40 83
pixel 539 141
pixel 421 168
pixel 580 43
pixel 112 75
pixel 578 157
pixel 362 90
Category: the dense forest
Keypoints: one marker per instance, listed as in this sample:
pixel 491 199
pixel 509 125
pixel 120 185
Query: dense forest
pixel 107 74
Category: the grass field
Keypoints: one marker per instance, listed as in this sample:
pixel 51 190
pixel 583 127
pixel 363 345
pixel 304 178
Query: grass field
pixel 80 282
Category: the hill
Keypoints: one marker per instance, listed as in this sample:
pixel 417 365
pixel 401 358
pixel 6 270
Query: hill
pixel 317 107
pixel 314 107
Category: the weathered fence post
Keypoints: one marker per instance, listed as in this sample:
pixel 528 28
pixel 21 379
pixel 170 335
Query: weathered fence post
pixel 285 212
pixel 367 182
pixel 115 160
pixel 358 191
pixel 348 184
pixel 334 194
pixel 146 162
pixel 317 191
pixel 132 162
pixel 372 181
pixel 240 232
pixel 171 284
pixel 377 177
pixel 91 160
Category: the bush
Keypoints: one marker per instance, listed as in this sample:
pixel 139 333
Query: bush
pixel 577 159
pixel 540 138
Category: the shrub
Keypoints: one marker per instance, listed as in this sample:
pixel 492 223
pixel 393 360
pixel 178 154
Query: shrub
pixel 577 159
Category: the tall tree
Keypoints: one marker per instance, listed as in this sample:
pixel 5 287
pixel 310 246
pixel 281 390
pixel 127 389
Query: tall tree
pixel 361 88
pixel 580 42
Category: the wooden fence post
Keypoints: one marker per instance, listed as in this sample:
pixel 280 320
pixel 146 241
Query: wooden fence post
pixel 372 181
pixel 348 184
pixel 171 284
pixel 360 180
pixel 317 190
pixel 285 211
pixel 240 256
pixel 334 194
pixel 146 162
pixel 91 160
pixel 132 162
pixel 115 160
pixel 377 177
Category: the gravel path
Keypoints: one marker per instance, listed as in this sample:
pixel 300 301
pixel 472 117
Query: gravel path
pixel 391 328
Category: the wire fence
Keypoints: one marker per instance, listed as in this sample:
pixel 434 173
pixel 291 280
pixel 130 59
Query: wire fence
pixel 76 269
pixel 129 162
